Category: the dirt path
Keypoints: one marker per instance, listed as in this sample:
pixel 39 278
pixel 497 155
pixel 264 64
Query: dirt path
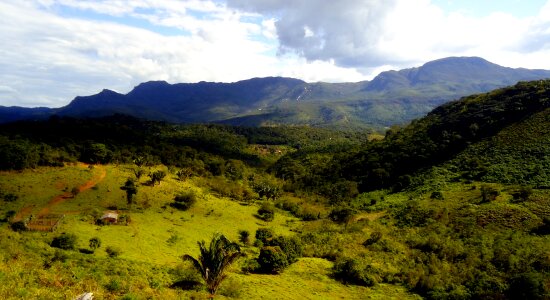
pixel 63 197
pixel 25 211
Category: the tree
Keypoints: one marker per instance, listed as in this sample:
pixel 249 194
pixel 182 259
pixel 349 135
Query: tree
pixel 66 241
pixel 268 189
pixel 342 215
pixel 138 172
pixel 157 176
pixel 264 234
pixel 244 237
pixel 272 259
pixel 214 260
pixel 75 191
pixel 131 189
pixel 184 201
pixel 96 153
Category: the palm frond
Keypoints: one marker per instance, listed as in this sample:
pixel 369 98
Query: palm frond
pixel 214 260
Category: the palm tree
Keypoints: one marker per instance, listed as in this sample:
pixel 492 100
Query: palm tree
pixel 214 260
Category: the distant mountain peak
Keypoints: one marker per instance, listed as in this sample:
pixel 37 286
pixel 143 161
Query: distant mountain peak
pixel 393 97
pixel 107 92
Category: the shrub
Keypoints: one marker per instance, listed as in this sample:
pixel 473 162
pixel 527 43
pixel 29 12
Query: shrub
pixel 66 241
pixel 437 195
pixel 251 266
pixel 291 247
pixel 488 193
pixel 244 236
pixel 184 201
pixel 232 190
pixel 522 193
pixel 9 197
pixel 8 215
pixel 113 286
pixel 288 205
pixel 351 270
pixel 543 229
pixel 272 259
pixel 373 238
pixel 95 243
pixel 527 286
pixel 157 176
pixel 75 191
pixel 278 254
pixel 341 215
pixel 112 251
pixel 263 234
pixel 309 213
pixel 18 226
pixel 266 212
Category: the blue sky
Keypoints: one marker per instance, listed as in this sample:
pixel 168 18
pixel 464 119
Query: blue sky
pixel 58 49
pixel 480 8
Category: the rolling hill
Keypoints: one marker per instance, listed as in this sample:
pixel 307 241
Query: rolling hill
pixel 393 97
pixel 453 206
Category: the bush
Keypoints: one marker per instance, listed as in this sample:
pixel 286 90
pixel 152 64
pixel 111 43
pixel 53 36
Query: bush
pixel 373 238
pixel 309 213
pixel 251 266
pixel 266 212
pixel 351 270
pixel 488 193
pixel 184 201
pixel 291 247
pixel 18 226
pixel 232 190
pixel 272 259
pixel 113 251
pixel 66 241
pixel 244 237
pixel 522 193
pixel 527 286
pixel 278 254
pixel 157 176
pixel 341 215
pixel 113 286
pixel 9 197
pixel 263 234
pixel 437 195
pixel 94 243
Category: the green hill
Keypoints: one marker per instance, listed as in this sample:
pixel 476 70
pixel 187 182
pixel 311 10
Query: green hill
pixel 455 205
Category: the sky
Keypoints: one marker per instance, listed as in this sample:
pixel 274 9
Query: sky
pixel 55 50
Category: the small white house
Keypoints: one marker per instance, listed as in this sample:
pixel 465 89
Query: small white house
pixel 110 217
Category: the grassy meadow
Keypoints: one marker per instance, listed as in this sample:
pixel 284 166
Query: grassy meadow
pixel 150 245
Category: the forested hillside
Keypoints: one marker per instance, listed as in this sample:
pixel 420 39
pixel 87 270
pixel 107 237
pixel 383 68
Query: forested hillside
pixel 452 206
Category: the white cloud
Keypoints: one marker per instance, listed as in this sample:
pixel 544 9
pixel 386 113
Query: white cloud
pixel 48 57
pixel 53 59
pixel 366 34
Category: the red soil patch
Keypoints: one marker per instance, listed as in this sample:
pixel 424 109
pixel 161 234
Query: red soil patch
pixel 63 197
pixel 23 212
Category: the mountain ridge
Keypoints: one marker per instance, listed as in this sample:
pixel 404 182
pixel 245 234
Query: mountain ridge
pixel 392 97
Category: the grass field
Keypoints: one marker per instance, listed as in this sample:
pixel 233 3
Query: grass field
pixel 150 245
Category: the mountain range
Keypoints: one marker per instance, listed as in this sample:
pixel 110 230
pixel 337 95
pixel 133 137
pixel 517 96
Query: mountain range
pixel 392 97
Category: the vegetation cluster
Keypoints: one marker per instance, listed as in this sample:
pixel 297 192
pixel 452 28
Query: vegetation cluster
pixel 453 206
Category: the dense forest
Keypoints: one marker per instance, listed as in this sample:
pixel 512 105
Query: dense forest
pixel 453 206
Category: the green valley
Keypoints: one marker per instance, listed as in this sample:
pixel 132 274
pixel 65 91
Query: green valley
pixel 454 205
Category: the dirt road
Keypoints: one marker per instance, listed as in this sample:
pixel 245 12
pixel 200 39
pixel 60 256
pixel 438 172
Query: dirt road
pixel 98 177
